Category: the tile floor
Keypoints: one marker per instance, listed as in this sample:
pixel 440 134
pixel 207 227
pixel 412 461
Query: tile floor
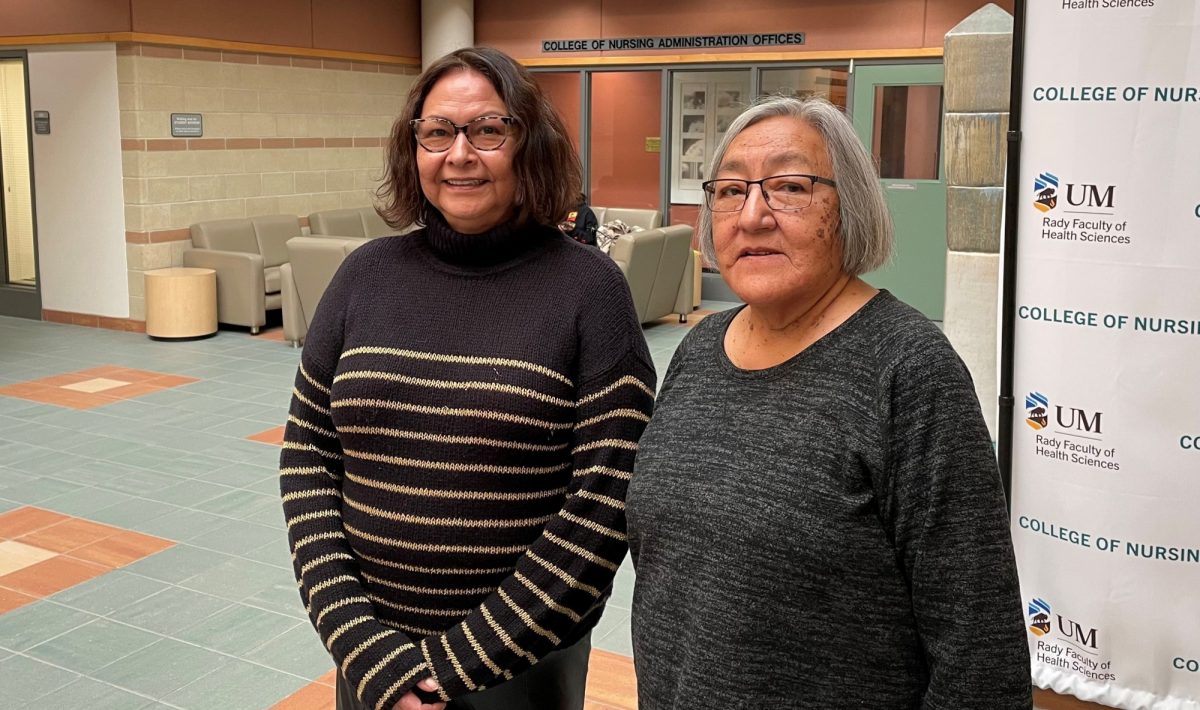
pixel 143 559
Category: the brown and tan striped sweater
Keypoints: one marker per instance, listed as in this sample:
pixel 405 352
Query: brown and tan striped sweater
pixel 461 435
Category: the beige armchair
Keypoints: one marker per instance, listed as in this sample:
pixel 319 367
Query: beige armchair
pixel 359 222
pixel 646 219
pixel 312 262
pixel 246 254
pixel 658 264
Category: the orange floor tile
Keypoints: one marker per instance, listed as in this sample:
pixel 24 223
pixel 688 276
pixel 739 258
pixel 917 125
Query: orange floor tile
pixel 273 435
pixel 72 550
pixel 94 387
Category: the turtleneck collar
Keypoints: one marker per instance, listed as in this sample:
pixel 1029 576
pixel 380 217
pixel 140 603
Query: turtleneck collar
pixel 498 245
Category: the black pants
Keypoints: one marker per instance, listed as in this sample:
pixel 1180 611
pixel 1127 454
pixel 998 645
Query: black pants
pixel 557 682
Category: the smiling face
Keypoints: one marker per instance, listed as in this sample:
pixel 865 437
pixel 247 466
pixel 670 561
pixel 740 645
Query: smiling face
pixel 475 190
pixel 770 258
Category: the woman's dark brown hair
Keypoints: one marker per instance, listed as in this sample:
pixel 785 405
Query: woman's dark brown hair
pixel 548 172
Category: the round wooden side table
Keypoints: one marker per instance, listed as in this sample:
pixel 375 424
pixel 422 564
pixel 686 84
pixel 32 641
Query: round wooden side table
pixel 181 302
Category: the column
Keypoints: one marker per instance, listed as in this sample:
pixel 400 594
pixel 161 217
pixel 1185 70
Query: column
pixel 446 25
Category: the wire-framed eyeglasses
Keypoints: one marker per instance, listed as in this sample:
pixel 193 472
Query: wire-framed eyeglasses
pixel 781 192
pixel 436 135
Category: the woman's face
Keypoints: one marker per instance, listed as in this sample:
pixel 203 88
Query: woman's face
pixel 475 190
pixel 774 258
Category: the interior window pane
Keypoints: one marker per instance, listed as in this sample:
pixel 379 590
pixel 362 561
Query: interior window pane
pixel 908 129
pixel 825 82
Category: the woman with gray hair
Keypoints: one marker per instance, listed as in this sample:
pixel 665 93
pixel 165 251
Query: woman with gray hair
pixel 815 513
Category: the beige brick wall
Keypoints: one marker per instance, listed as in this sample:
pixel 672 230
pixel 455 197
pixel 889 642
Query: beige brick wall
pixel 281 136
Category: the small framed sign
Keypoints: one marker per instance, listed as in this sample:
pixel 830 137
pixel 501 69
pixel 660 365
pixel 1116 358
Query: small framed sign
pixel 41 122
pixel 187 125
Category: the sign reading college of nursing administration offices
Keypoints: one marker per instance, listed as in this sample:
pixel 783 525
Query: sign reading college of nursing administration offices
pixel 737 41
pixel 1106 449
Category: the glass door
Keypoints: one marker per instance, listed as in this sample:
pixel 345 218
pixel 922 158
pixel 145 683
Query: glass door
pixel 18 259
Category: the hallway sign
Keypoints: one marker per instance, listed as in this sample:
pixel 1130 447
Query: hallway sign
pixel 1106 445
pixel 737 41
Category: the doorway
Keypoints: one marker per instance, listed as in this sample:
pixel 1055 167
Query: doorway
pixel 897 112
pixel 19 292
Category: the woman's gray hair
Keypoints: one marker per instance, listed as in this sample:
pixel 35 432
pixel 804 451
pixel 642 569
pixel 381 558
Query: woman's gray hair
pixel 866 225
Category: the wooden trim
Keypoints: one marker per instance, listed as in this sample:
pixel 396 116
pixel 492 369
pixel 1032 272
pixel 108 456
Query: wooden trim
pixel 180 144
pixel 89 320
pixel 159 236
pixel 741 57
pixel 206 43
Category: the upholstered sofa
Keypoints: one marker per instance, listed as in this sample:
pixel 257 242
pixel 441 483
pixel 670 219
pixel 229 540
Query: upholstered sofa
pixel 358 222
pixel 246 254
pixel 312 262
pixel 646 219
pixel 658 264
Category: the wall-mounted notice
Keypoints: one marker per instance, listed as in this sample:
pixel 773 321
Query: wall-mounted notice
pixel 41 122
pixel 187 125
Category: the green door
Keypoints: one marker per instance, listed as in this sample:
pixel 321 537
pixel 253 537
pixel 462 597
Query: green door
pixel 897 111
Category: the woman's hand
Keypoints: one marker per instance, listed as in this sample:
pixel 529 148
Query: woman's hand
pixel 410 701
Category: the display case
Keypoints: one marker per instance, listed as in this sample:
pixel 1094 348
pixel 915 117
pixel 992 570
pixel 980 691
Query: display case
pixel 703 104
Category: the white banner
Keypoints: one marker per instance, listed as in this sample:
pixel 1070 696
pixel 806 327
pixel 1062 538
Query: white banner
pixel 1106 449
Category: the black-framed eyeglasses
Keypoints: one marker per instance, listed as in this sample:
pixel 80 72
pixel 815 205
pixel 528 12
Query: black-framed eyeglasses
pixel 436 135
pixel 781 192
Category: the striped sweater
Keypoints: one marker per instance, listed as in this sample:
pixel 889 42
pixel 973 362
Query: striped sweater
pixel 461 435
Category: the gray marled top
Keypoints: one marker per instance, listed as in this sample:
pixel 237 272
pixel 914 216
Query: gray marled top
pixel 826 533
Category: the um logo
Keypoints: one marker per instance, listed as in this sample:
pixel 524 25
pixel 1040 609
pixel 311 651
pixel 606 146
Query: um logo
pixel 1077 419
pixel 1087 195
pixel 1073 631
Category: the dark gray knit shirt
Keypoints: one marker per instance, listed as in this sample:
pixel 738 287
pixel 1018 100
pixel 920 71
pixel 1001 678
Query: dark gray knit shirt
pixel 826 533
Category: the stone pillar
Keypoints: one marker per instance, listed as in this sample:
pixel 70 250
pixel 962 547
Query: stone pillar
pixel 978 59
pixel 446 25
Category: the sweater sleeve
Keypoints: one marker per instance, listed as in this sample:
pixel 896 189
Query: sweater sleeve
pixel 568 570
pixel 379 662
pixel 946 512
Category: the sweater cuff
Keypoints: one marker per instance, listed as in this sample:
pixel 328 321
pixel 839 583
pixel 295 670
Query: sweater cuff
pixel 446 669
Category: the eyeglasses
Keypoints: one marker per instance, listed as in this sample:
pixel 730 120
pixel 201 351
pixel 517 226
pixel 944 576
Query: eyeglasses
pixel 436 135
pixel 781 192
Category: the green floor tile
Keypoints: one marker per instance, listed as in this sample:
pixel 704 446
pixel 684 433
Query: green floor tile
pixel 238 629
pixel 134 513
pixel 177 563
pixel 237 685
pixel 89 694
pixel 36 490
pixel 95 471
pixel 183 526
pixel 146 456
pixel 192 466
pixel 82 502
pixel 236 579
pixel 161 668
pixel 280 598
pixel 140 481
pixel 240 503
pixel 109 593
pixel 277 553
pixel 298 651
pixel 26 680
pixel 38 622
pixel 236 537
pixel 170 610
pixel 92 646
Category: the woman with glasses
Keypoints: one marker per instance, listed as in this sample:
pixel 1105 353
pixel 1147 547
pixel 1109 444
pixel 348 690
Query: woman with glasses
pixel 815 515
pixel 465 416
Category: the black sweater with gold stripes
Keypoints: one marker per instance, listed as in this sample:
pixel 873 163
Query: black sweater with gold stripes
pixel 461 435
